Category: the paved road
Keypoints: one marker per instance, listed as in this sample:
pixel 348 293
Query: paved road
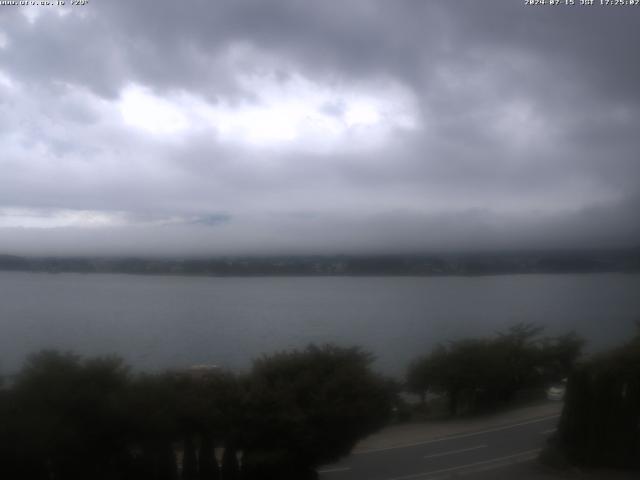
pixel 448 456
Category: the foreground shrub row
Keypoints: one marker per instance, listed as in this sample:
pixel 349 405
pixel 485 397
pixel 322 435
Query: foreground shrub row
pixel 66 418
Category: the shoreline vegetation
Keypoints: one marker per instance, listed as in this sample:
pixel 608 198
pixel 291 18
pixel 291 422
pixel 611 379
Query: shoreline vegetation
pixel 437 264
pixel 69 417
pixel 600 423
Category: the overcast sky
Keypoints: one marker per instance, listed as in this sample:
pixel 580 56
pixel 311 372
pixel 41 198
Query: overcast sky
pixel 214 127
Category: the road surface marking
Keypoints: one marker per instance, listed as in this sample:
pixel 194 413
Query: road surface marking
pixel 452 452
pixel 456 437
pixel 334 470
pixel 545 432
pixel 527 455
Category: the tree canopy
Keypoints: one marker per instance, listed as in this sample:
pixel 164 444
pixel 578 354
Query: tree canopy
pixel 313 404
pixel 600 424
pixel 479 373
pixel 70 418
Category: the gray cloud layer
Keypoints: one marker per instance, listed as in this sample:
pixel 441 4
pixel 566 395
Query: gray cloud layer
pixel 523 126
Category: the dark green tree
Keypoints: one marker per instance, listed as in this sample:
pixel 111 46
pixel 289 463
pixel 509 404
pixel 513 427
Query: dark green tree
pixel 600 424
pixel 420 377
pixel 483 373
pixel 559 356
pixel 68 417
pixel 307 408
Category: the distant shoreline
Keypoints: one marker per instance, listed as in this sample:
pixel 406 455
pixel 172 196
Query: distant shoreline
pixel 301 275
pixel 397 265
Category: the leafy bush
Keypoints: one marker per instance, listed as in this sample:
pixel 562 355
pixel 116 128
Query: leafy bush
pixel 69 418
pixel 313 404
pixel 477 374
pixel 600 424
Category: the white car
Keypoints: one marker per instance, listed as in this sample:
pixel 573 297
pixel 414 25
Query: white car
pixel 556 392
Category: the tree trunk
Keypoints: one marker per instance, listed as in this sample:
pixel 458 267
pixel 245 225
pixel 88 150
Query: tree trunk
pixel 190 465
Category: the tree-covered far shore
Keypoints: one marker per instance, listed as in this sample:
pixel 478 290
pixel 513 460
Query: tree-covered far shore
pixel 390 264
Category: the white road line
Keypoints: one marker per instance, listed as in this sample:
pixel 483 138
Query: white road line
pixel 456 437
pixel 334 470
pixel 526 455
pixel 452 452
pixel 545 432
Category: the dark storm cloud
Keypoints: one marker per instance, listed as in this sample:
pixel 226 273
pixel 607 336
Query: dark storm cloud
pixel 168 44
pixel 583 46
pixel 526 125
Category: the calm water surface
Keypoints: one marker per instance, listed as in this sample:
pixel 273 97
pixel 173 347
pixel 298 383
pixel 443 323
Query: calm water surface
pixel 156 322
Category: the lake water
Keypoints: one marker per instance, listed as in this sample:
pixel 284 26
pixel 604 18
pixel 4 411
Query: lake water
pixel 164 321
